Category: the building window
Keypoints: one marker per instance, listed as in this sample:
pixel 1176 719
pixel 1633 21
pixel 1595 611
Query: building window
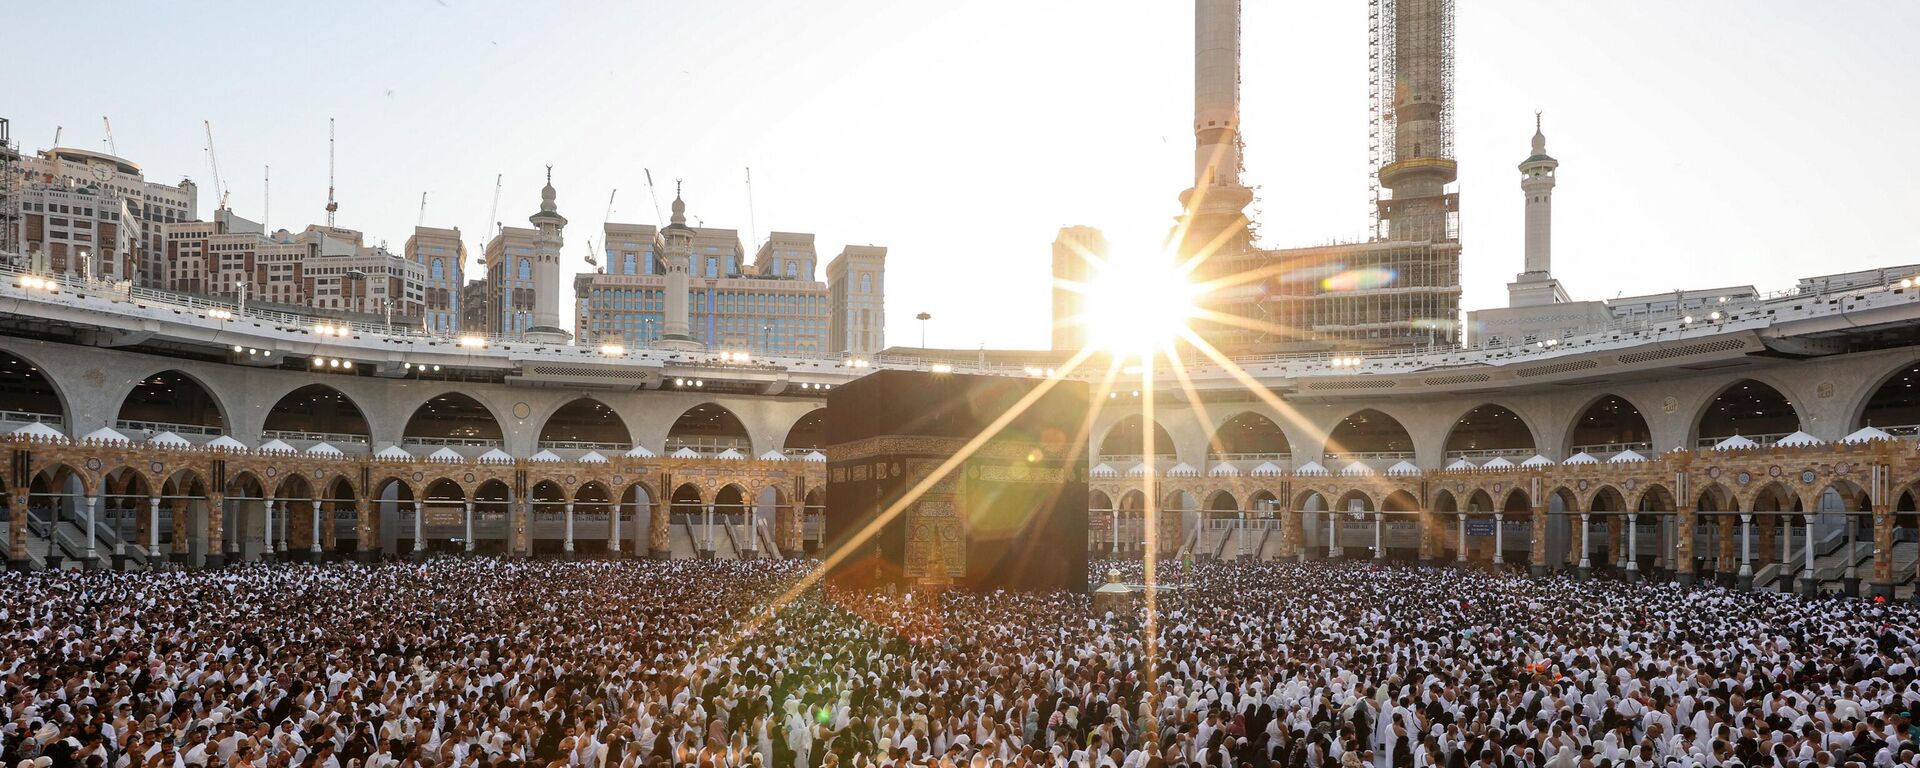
pixel 439 268
pixel 866 282
pixel 526 269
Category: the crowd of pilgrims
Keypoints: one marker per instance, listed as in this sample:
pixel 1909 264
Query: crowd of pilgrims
pixel 490 663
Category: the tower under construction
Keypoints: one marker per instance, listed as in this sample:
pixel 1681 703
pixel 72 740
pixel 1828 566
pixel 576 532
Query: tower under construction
pixel 1400 288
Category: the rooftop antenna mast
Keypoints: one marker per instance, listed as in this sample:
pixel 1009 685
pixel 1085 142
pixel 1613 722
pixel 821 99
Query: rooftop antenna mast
pixel 266 200
pixel 112 148
pixel 422 221
pixel 657 220
pixel 604 220
pixel 753 226
pixel 332 207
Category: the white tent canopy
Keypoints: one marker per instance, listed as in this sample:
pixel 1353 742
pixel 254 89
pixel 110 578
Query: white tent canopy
pixel 1312 469
pixel 276 446
pixel 773 456
pixel 168 439
pixel 730 454
pixel 495 455
pixel 1497 462
pixel 1735 443
pixel 1183 469
pixel 37 429
pixel 393 452
pixel 1356 469
pixel 593 457
pixel 1626 457
pixel 1402 468
pixel 544 455
pixel 1460 465
pixel 226 442
pixel 685 453
pixel 1268 469
pixel 105 433
pixel 639 452
pixel 1537 461
pixel 1223 469
pixel 1797 439
pixel 447 454
pixel 1867 435
pixel 814 456
pixel 324 449
pixel 1581 458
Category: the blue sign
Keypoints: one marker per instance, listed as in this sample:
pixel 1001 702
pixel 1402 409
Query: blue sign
pixel 1479 527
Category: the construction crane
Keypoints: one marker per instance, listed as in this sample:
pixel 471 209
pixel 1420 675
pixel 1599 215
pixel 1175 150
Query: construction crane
pixel 657 222
pixel 423 211
pixel 604 220
pixel 112 148
pixel 266 199
pixel 753 225
pixel 214 161
pixel 491 221
pixel 332 207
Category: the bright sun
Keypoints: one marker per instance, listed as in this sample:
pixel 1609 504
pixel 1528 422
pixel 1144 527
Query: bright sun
pixel 1135 306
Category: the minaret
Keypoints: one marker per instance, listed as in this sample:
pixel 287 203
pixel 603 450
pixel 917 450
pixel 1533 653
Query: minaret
pixel 1420 162
pixel 1535 285
pixel 546 268
pixel 676 257
pixel 1218 200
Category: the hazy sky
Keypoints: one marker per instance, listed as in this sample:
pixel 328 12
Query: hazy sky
pixel 1702 143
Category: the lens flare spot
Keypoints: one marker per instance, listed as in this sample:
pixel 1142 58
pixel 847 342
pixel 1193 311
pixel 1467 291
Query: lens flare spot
pixel 1358 279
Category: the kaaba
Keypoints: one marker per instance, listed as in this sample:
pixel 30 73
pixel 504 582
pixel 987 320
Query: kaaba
pixel 1011 514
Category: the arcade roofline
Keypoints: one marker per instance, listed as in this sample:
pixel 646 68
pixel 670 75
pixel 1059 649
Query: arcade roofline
pixel 1799 323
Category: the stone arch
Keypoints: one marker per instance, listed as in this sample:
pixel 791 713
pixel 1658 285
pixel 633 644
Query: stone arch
pixel 396 483
pixel 1260 496
pixel 1611 420
pixel 1607 498
pixel 1773 496
pixel 1564 498
pixel 808 433
pixel 1444 501
pixel 1491 429
pixel 1746 407
pixel 1479 501
pixel 1222 501
pixel 26 388
pixel 1311 500
pixel 688 498
pixel 730 498
pixel 585 422
pixel 445 489
pixel 317 409
pixel 1346 503
pixel 293 486
pixel 1099 501
pixel 1653 497
pixel 591 492
pixel 1127 438
pixel 172 396
pixel 1853 497
pixel 1400 500
pixel 1134 502
pixel 1247 435
pixel 453 417
pixel 1516 500
pixel 1369 431
pixel 1892 401
pixel 709 428
pixel 1716 498
pixel 491 508
pixel 245 482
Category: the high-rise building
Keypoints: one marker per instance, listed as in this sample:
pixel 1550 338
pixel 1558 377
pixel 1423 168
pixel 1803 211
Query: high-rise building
pixel 77 230
pixel 773 306
pixel 510 282
pixel 150 204
pixel 473 307
pixel 1076 251
pixel 442 255
pixel 10 186
pixel 856 285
